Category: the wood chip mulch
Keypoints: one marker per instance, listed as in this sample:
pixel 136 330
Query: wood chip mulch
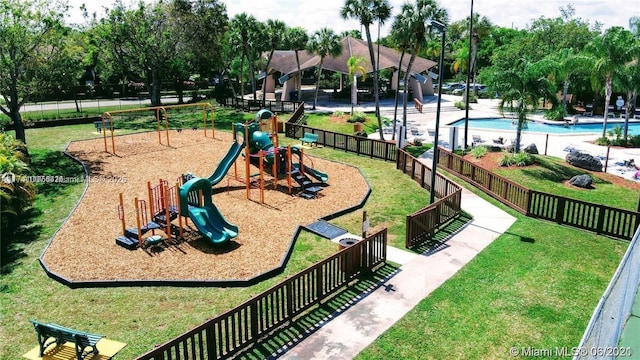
pixel 84 248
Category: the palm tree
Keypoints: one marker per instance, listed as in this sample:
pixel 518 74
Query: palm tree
pixel 354 64
pixel 297 39
pixel 521 87
pixel 275 32
pixel 401 35
pixel 611 51
pixel 563 66
pixel 368 11
pixel 246 26
pixel 412 17
pixel 324 42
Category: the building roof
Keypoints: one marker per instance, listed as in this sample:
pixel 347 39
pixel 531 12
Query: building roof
pixel 284 61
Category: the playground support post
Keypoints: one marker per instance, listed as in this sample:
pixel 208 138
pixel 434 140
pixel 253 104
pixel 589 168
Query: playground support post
pixel 289 168
pixel 138 225
pixel 167 212
pixel 180 235
pixel 247 159
pixel 121 213
pixel 261 159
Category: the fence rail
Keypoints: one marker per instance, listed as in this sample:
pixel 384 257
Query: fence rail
pixel 601 219
pixel 244 325
pixel 373 148
pixel 250 105
pixel 422 225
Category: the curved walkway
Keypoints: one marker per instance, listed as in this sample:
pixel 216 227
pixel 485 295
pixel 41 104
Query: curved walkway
pixel 347 332
pixel 344 334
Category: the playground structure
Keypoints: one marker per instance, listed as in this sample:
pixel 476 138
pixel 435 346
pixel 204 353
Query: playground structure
pixel 191 196
pixel 264 152
pixel 157 213
pixel 162 120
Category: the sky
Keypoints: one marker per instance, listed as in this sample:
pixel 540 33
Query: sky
pixel 315 14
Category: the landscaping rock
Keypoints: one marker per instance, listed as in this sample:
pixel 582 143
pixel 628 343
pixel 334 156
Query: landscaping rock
pixel 584 161
pixel 531 149
pixel 583 181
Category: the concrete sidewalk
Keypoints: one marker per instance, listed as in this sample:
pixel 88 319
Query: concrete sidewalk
pixel 346 333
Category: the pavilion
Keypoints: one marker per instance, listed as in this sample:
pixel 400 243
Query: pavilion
pixel 284 62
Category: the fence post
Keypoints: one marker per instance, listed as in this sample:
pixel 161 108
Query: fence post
pixel 560 209
pixel 254 319
pixel 600 225
pixel 211 341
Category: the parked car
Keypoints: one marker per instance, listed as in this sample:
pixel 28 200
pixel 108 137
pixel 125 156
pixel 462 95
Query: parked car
pixel 478 88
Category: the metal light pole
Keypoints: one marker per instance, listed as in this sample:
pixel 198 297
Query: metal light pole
pixel 443 30
pixel 469 68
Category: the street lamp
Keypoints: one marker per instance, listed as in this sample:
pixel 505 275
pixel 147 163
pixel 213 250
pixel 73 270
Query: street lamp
pixel 443 30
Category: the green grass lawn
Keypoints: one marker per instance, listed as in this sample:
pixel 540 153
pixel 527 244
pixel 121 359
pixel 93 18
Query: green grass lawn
pixel 340 124
pixel 146 316
pixel 536 285
pixel 550 174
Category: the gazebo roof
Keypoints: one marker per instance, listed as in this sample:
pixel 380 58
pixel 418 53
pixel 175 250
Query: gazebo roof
pixel 284 61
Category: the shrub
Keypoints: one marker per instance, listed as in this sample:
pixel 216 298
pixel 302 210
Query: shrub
pixel 357 116
pixel 557 113
pixel 519 159
pixel 16 195
pixel 479 151
pixel 604 141
pixel 338 113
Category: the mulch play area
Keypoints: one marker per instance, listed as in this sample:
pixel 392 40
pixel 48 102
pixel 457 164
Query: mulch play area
pixel 84 248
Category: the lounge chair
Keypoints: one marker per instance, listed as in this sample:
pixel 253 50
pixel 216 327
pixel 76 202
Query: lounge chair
pixel 636 114
pixel 477 140
pixel 588 110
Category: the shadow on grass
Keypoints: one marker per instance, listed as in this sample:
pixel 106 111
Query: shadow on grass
pixel 556 172
pixel 13 243
pixel 54 172
pixel 439 241
pixel 62 171
pixel 280 341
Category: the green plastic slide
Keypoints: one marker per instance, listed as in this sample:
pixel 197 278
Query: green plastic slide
pixel 225 164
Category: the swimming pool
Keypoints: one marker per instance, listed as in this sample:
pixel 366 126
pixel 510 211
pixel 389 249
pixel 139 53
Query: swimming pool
pixel 539 127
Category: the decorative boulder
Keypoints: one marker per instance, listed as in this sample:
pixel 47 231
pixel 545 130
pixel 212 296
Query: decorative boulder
pixel 583 181
pixel 531 149
pixel 584 161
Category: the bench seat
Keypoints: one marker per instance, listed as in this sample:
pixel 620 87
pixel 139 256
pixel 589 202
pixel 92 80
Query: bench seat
pixel 48 334
pixel 309 138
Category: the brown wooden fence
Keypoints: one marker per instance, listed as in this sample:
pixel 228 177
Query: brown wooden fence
pixel 373 148
pixel 601 219
pixel 244 325
pixel 422 225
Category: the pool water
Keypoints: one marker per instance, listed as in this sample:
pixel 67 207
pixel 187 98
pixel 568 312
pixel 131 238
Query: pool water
pixel 532 126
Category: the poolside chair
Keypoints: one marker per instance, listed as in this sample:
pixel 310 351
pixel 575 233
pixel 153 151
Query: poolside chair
pixel 611 111
pixel 476 140
pixel 636 113
pixel 588 110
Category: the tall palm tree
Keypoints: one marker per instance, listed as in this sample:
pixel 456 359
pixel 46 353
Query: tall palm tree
pixel 611 51
pixel 368 11
pixel 521 87
pixel 354 64
pixel 275 31
pixel 401 36
pixel 324 42
pixel 563 66
pixel 246 26
pixel 297 39
pixel 413 17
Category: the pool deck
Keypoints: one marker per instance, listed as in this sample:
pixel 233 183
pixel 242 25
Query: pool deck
pixel 556 145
